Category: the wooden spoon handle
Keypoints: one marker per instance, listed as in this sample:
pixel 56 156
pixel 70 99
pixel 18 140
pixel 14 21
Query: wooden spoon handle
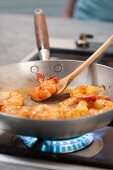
pixel 93 57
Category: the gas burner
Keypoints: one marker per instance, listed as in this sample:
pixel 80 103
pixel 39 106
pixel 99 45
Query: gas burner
pixel 60 146
pixel 67 145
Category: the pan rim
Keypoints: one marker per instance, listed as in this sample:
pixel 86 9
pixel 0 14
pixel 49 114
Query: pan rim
pixel 79 61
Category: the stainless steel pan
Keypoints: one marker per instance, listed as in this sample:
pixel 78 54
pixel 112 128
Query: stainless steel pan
pixel 22 75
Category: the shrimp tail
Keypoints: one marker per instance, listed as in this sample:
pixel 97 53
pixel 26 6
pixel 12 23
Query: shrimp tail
pixel 40 77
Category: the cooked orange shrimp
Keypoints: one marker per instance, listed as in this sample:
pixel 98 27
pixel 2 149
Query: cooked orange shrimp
pixel 39 111
pixel 86 104
pixel 11 109
pixel 88 89
pixel 100 106
pixel 44 111
pixel 101 103
pixel 84 101
pixel 53 113
pixel 81 108
pixel 46 88
pixel 23 111
pixel 11 97
pixel 75 99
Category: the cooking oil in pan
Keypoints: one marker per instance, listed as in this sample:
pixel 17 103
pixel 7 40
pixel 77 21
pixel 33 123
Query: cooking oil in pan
pixel 25 92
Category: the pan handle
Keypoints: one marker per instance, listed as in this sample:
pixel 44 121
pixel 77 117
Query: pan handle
pixel 110 124
pixel 41 34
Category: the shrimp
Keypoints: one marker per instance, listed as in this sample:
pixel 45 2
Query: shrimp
pixel 11 102
pixel 11 97
pixel 99 106
pixel 75 99
pixel 46 88
pixel 22 111
pixel 101 103
pixel 89 90
pixel 86 104
pixel 25 111
pixel 82 109
pixel 83 101
pixel 11 109
pixel 39 111
pixel 46 112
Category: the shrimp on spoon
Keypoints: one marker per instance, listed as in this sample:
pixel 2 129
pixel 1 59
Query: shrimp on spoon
pixel 45 89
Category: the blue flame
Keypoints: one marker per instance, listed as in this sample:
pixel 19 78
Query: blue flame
pixel 28 141
pixel 60 146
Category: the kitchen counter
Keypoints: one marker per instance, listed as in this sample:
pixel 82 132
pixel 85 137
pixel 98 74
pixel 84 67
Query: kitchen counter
pixel 17 38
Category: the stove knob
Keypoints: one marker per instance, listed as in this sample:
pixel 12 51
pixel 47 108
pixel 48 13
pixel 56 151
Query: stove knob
pixel 83 42
pixel 84 35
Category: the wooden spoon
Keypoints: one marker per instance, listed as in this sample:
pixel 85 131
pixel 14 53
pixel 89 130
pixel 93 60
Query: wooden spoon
pixel 63 83
pixel 43 46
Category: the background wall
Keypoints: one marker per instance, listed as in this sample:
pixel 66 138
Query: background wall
pixel 51 7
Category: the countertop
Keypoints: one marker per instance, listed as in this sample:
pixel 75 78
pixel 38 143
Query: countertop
pixel 17 37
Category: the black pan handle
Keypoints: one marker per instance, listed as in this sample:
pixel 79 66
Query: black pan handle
pixel 41 34
pixel 110 124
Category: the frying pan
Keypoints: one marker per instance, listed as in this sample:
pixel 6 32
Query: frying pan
pixel 22 75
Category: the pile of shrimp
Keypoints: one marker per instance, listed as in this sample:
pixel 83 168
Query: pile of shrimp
pixel 83 100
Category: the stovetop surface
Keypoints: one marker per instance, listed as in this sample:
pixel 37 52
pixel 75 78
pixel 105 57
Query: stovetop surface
pixel 98 154
pixel 72 54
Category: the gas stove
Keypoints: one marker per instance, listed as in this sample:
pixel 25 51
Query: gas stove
pixel 92 150
pixel 69 49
